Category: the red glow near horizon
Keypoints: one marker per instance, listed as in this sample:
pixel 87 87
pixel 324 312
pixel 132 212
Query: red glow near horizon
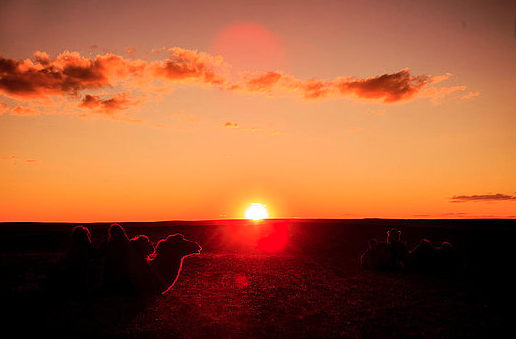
pixel 269 236
pixel 274 238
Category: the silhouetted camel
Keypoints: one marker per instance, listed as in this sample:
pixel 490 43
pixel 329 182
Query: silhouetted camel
pixel 393 254
pixel 128 268
pixel 426 256
pixel 75 272
pixel 167 259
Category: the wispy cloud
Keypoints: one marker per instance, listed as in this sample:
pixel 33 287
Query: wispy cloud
pixel 230 124
pixel 437 95
pixel 24 111
pixel 257 82
pixel 471 95
pixel 483 197
pixel 238 126
pixel 3 108
pixel 13 160
pixel 439 78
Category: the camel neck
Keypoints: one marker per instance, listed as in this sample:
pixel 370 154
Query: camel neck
pixel 167 268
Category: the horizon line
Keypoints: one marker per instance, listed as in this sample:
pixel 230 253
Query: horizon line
pixel 257 221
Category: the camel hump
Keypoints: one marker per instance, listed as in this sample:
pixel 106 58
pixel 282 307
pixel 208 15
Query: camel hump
pixel 447 246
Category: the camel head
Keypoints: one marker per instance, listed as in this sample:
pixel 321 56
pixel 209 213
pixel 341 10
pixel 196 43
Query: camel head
pixel 167 259
pixel 176 245
pixel 393 235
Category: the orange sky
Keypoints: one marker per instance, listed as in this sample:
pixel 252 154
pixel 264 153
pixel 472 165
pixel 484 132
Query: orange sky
pixel 131 111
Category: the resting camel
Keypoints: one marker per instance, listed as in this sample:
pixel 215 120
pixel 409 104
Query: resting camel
pixel 75 272
pixel 129 269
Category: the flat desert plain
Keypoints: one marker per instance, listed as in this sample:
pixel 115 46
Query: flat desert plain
pixel 276 278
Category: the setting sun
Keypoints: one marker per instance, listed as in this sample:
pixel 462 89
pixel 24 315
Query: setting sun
pixel 256 212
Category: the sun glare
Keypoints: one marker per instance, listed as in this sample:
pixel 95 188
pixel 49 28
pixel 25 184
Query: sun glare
pixel 256 212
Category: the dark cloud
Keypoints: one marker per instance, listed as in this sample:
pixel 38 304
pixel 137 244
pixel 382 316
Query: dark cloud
pixel 71 74
pixel 388 87
pixel 484 197
pixel 107 106
pixel 68 74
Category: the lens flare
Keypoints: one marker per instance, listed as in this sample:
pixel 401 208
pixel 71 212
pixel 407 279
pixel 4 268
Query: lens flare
pixel 256 211
pixel 249 46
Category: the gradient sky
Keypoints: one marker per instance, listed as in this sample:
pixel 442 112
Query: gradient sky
pixel 160 110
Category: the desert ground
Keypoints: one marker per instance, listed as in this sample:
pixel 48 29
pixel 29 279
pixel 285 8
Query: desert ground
pixel 246 284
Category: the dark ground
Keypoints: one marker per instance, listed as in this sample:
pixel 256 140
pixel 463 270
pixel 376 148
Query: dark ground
pixel 312 288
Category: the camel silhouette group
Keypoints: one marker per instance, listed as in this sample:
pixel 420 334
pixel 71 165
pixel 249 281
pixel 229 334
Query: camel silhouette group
pixel 121 265
pixel 394 255
pixel 137 266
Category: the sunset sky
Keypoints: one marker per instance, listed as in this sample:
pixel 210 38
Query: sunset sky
pixel 163 110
